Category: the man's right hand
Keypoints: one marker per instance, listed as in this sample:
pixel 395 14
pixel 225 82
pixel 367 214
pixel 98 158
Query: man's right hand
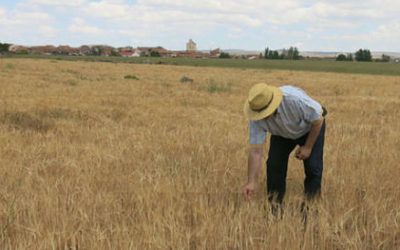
pixel 254 166
pixel 248 190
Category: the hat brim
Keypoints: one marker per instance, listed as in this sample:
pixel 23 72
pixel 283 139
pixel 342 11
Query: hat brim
pixel 258 115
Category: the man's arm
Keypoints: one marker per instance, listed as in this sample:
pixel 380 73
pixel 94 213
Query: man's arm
pixel 254 166
pixel 304 151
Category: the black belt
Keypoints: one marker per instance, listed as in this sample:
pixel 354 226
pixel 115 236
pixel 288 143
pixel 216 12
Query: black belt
pixel 324 111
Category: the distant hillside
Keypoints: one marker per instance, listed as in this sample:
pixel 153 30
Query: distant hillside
pixel 318 54
pixel 375 54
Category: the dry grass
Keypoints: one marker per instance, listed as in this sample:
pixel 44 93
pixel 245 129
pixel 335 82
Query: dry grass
pixel 91 160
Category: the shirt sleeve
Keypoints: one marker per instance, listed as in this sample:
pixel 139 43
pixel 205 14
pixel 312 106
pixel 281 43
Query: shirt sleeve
pixel 257 134
pixel 310 109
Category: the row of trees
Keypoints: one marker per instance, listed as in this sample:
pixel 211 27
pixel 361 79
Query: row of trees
pixel 291 54
pixel 343 57
pixel 362 55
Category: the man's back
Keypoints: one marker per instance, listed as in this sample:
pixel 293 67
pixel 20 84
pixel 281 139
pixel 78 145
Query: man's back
pixel 292 119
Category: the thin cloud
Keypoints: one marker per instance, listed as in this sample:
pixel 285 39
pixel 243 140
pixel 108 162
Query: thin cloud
pixel 31 16
pixel 68 3
pixel 80 26
pixel 48 31
pixel 107 9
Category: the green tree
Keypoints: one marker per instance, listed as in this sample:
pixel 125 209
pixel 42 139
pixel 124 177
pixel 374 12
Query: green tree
pixel 154 53
pixel 363 55
pixel 350 57
pixel 271 54
pixel 293 53
pixel 224 55
pixel 275 55
pixel 385 58
pixel 341 57
pixel 4 47
pixel 266 53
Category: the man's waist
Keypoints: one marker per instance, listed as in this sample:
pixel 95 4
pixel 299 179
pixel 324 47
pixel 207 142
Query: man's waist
pixel 324 111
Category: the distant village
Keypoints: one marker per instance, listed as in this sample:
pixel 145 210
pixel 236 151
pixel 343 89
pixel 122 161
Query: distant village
pixel 192 52
pixel 105 50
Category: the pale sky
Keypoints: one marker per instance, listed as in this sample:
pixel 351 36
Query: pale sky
pixel 327 25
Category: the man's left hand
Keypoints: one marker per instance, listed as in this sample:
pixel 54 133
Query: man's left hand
pixel 302 153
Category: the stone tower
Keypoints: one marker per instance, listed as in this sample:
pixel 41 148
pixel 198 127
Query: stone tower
pixel 191 46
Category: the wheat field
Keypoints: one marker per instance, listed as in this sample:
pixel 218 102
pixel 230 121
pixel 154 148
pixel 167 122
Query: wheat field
pixel 124 156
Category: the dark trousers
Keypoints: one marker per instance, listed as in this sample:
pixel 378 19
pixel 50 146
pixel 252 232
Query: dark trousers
pixel 277 164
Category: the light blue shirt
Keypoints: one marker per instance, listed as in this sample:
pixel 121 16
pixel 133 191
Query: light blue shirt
pixel 293 118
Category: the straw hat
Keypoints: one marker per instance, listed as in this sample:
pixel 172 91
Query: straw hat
pixel 263 100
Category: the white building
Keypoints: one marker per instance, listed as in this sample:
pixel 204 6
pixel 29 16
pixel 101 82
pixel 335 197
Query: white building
pixel 191 46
